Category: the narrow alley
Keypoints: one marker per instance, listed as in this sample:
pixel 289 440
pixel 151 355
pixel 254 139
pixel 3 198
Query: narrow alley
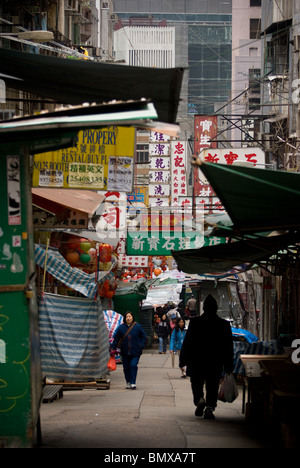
pixel 158 415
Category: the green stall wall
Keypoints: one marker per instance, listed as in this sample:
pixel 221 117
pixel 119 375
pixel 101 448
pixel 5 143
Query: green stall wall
pixel 20 379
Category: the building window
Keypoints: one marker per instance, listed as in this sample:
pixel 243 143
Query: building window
pixel 255 3
pixel 254 80
pixel 255 28
pixel 142 154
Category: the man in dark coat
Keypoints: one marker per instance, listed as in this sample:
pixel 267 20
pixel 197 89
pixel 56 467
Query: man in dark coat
pixel 206 351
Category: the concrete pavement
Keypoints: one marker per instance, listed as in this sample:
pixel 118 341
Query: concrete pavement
pixel 158 415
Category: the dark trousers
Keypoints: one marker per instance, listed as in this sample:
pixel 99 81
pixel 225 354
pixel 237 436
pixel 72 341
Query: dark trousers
pixel 130 367
pixel 211 382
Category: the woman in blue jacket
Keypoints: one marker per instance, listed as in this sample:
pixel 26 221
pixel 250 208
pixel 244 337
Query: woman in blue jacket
pixel 130 338
pixel 177 338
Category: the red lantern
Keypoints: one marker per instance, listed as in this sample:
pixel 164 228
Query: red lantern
pixel 73 243
pixel 105 253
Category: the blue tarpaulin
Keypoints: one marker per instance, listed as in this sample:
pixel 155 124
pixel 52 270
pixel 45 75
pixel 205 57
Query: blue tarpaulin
pixel 74 338
pixel 248 337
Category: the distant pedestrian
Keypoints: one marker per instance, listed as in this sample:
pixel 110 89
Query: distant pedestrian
pixel 173 323
pixel 206 351
pixel 130 338
pixel 177 339
pixel 162 330
pixel 192 306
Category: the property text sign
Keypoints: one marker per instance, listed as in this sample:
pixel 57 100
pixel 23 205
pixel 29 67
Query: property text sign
pixel 101 159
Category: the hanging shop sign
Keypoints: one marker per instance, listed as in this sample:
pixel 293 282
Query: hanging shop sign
pixel 179 161
pixel 206 130
pixel 252 157
pixel 159 166
pixel 132 261
pixel 101 159
pixel 73 220
pixel 139 195
pixel 158 243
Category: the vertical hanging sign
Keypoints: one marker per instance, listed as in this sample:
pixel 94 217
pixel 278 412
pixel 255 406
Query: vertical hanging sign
pixel 159 164
pixel 206 130
pixel 13 190
pixel 179 182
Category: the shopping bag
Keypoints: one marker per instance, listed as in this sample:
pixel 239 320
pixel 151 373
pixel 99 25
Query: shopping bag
pixel 112 365
pixel 228 392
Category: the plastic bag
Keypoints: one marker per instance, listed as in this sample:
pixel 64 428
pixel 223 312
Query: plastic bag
pixel 228 392
pixel 112 365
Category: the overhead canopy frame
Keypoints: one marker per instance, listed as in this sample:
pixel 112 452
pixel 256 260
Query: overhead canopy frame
pixel 77 81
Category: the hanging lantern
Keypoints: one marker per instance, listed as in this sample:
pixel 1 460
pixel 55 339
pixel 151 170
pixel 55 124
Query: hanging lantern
pixel 73 243
pixel 85 246
pixel 72 258
pixel 105 253
pixel 85 258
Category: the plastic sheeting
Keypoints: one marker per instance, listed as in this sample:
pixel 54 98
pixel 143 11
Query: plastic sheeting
pixel 74 338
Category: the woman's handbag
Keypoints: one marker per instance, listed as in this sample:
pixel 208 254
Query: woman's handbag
pixel 112 365
pixel 228 392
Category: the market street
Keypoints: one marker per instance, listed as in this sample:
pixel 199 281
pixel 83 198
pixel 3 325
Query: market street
pixel 159 414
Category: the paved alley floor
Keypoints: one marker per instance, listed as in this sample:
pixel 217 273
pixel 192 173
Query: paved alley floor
pixel 158 415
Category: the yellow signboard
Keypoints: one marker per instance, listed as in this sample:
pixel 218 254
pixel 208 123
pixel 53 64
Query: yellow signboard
pixel 101 159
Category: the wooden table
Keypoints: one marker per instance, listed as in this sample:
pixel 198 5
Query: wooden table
pixel 274 396
pixel 253 371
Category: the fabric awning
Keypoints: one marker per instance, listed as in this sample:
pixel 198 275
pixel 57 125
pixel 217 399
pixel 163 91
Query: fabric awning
pixel 77 81
pixel 56 200
pixel 256 200
pixel 233 257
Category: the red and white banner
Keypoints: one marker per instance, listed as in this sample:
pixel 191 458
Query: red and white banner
pixel 178 170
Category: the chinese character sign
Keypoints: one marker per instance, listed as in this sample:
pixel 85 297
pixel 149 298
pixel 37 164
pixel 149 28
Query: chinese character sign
pixel 159 165
pixel 178 171
pixel 254 157
pixel 206 129
pixel 90 164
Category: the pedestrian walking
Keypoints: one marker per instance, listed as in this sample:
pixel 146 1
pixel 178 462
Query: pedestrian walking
pixel 162 330
pixel 130 338
pixel 206 351
pixel 192 306
pixel 176 341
